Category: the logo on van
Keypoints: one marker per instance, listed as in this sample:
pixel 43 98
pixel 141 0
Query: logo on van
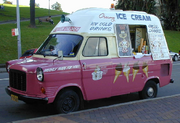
pixel 97 74
pixel 102 15
pixel 140 17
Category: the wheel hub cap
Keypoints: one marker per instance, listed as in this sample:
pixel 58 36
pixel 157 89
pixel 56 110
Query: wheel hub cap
pixel 150 92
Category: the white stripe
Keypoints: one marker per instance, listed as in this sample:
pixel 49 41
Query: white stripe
pixel 4 79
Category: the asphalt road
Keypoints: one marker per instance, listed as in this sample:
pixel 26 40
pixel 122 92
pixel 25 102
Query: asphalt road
pixel 13 111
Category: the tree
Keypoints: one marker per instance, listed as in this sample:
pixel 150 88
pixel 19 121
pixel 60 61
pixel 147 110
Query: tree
pixel 138 5
pixel 7 2
pixel 56 6
pixel 32 14
pixel 170 14
pixel 37 5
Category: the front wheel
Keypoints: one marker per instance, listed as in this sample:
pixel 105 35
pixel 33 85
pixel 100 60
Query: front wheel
pixel 67 101
pixel 149 91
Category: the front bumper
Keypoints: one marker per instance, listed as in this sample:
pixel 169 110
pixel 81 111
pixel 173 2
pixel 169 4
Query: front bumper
pixel 27 98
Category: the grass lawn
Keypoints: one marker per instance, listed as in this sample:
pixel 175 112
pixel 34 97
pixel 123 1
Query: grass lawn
pixel 173 40
pixel 30 38
pixel 9 13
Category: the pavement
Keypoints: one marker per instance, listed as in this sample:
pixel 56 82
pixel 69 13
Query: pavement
pixel 157 110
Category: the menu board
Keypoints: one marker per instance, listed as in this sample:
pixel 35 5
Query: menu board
pixel 158 46
pixel 123 40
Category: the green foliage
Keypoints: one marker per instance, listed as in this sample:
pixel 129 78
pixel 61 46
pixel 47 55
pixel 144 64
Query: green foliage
pixel 56 6
pixel 138 5
pixel 170 14
pixel 7 2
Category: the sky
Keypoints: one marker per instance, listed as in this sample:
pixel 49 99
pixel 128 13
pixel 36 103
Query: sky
pixel 68 5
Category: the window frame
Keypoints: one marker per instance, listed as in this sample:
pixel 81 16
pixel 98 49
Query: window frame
pixel 98 47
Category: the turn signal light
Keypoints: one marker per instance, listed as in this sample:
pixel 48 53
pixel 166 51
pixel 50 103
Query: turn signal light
pixel 43 90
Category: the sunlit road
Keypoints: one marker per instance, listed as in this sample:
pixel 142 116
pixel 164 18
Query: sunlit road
pixel 13 111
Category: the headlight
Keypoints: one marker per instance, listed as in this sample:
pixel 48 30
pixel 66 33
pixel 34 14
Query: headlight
pixel 40 75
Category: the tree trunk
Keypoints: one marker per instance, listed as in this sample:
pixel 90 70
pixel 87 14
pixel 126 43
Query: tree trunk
pixel 32 14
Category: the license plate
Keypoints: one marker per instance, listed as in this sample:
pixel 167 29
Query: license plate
pixel 14 98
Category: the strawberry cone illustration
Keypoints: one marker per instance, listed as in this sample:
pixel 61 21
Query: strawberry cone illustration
pixel 135 70
pixel 145 68
pixel 126 71
pixel 118 71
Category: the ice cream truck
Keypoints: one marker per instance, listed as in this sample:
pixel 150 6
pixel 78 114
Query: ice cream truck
pixel 92 54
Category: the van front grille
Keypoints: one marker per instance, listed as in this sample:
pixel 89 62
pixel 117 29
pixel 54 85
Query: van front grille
pixel 17 79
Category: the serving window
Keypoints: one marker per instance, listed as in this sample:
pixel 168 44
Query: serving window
pixel 132 39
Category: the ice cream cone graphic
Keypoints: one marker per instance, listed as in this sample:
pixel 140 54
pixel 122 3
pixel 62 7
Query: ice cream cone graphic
pixel 126 71
pixel 145 68
pixel 135 70
pixel 118 71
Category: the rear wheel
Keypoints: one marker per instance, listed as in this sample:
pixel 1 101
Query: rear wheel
pixel 67 101
pixel 150 90
pixel 175 58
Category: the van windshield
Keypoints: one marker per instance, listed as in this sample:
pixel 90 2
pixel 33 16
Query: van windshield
pixel 67 43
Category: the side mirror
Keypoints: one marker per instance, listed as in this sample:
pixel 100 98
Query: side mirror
pixel 60 55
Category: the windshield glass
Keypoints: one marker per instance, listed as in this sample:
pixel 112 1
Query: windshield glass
pixel 68 44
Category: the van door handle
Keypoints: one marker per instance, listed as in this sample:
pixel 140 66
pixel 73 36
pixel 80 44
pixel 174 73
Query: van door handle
pixel 84 65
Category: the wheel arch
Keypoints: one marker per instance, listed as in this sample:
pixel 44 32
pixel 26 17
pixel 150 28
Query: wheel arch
pixel 156 80
pixel 151 84
pixel 75 89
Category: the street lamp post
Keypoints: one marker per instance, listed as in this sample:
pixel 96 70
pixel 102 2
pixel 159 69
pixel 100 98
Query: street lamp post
pixel 19 30
pixel 49 7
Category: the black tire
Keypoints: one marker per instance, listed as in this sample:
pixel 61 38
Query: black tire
pixel 175 58
pixel 150 90
pixel 67 101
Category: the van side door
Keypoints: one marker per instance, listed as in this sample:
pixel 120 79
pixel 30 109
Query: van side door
pixel 96 68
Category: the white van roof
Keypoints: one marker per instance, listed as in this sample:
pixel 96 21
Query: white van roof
pixel 101 20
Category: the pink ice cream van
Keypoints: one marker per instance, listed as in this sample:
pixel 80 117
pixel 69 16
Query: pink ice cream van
pixel 92 54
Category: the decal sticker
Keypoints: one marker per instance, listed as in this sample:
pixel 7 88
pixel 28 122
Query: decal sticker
pixel 97 74
pixel 158 46
pixel 118 71
pixel 126 71
pixel 135 70
pixel 60 68
pixel 145 68
pixel 123 40
pixel 139 35
pixel 154 29
pixel 101 26
pixel 67 28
